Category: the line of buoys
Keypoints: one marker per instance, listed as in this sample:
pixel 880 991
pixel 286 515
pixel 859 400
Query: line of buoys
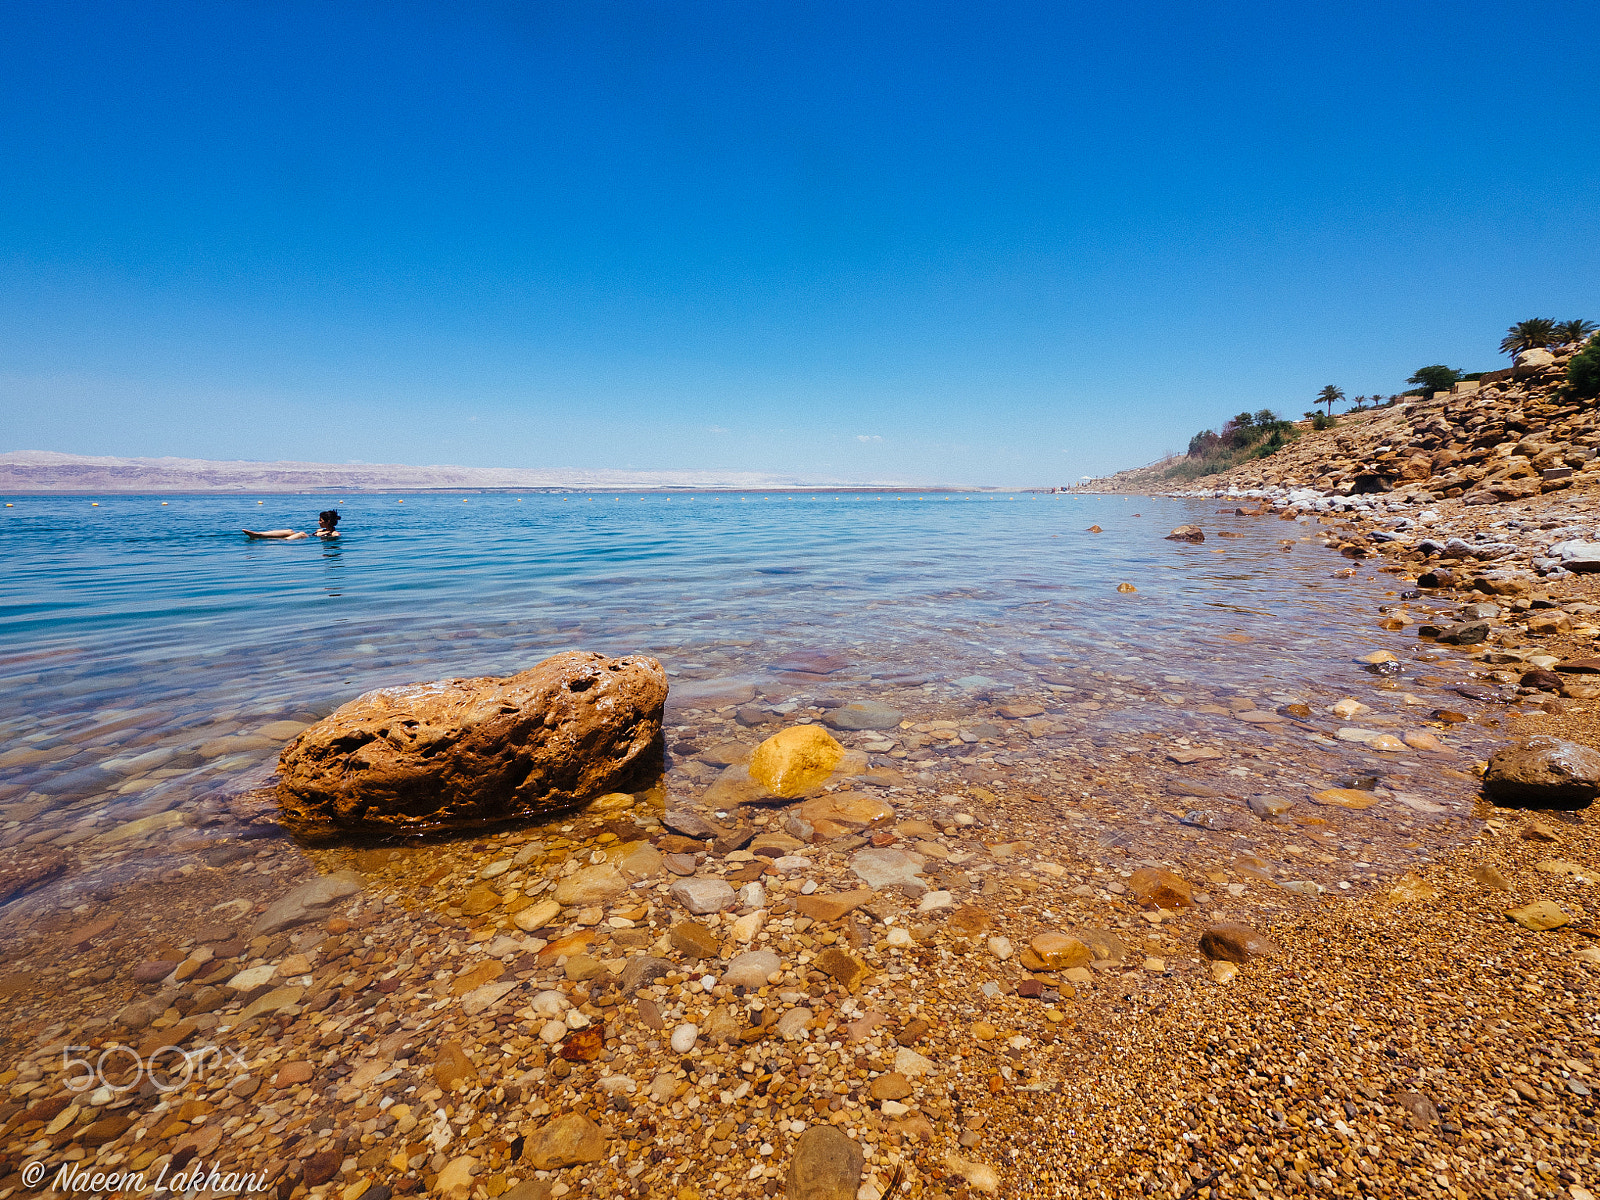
pixel 94 504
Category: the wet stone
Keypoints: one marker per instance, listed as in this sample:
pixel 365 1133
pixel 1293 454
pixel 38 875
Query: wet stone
pixel 1235 942
pixel 564 1142
pixel 1162 888
pixel 826 1165
pixel 694 940
pixel 703 896
pixel 750 969
pixel 864 715
pixel 886 868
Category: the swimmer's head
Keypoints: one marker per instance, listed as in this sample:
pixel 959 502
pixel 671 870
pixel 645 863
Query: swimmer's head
pixel 329 518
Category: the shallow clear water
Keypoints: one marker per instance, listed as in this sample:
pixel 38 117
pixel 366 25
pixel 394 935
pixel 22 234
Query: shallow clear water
pixel 144 645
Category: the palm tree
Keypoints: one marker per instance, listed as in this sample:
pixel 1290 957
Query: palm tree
pixel 1330 396
pixel 1532 334
pixel 1572 332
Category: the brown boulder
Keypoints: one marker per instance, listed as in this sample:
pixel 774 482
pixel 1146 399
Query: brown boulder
pixel 1152 885
pixel 1545 681
pixel 467 752
pixel 1187 533
pixel 1543 772
pixel 1233 942
pixel 1058 952
pixel 826 1166
pixel 564 1142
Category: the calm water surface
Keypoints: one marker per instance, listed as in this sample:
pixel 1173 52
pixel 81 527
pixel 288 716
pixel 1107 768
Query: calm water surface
pixel 148 650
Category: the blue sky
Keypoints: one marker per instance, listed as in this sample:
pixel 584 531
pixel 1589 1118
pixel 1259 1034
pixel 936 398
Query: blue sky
pixel 1002 243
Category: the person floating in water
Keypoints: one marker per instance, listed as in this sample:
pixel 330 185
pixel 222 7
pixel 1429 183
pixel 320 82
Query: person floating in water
pixel 326 528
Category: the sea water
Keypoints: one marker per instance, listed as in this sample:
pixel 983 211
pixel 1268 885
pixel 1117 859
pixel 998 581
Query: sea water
pixel 150 652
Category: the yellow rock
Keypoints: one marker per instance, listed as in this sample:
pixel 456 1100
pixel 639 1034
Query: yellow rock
pixel 611 802
pixel 1126 587
pixel 1560 866
pixel 1346 798
pixel 1058 951
pixel 1409 888
pixel 1380 656
pixel 480 900
pixel 793 761
pixel 538 916
pixel 1386 742
pixel 1224 972
pixel 1419 740
pixel 843 813
pixel 1540 915
pixel 984 1031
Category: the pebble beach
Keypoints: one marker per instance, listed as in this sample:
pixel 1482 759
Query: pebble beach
pixel 1098 931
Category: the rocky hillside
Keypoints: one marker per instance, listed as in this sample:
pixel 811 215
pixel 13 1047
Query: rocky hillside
pixel 1510 435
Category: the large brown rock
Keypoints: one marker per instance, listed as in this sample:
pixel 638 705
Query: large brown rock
pixel 1231 941
pixel 567 1140
pixel 468 752
pixel 1543 772
pixel 1152 885
pixel 826 1166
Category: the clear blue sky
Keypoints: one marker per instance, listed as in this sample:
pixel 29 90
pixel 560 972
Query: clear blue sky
pixel 988 243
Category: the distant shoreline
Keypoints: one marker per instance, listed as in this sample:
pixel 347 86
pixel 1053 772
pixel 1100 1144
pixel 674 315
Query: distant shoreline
pixel 635 490
pixel 47 473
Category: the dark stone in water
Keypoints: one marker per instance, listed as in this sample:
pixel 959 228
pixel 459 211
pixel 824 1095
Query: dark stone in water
pixel 85 781
pixel 811 662
pixel 863 715
pixel 1467 633
pixel 690 824
pixel 1182 787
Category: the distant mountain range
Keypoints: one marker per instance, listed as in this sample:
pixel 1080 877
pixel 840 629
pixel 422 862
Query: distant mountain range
pixel 43 471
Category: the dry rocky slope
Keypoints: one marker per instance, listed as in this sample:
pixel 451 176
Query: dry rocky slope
pixel 1509 436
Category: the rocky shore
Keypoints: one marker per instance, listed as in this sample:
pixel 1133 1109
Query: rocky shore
pixel 949 947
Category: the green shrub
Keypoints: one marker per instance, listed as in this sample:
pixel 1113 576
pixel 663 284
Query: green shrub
pixel 1247 436
pixel 1583 372
pixel 1323 421
pixel 1437 378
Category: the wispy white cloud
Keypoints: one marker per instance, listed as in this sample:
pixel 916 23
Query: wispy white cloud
pixel 715 429
pixel 868 437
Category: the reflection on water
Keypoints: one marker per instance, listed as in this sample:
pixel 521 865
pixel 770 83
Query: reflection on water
pixel 150 654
